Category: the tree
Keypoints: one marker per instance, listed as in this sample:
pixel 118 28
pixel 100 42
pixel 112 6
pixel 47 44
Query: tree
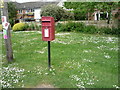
pixel 80 14
pixel 7 34
pixel 1 7
pixel 107 7
pixel 0 17
pixel 89 7
pixel 52 10
pixel 12 12
pixel 82 10
pixel 67 15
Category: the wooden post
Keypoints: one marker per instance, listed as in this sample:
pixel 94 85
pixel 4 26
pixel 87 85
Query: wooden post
pixel 8 44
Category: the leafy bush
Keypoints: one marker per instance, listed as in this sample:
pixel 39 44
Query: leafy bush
pixel 35 26
pixel 0 27
pixel 90 29
pixel 38 27
pixel 81 27
pixel 71 26
pixel 112 31
pixel 11 22
pixel 0 19
pixel 32 26
pixel 79 15
pixel 67 15
pixel 115 31
pixel 12 12
pixel 53 11
pixel 59 27
pixel 20 27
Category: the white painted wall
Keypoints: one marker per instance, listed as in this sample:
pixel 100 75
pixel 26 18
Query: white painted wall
pixel 99 16
pixel 107 15
pixel 37 14
pixel 95 16
pixel 61 3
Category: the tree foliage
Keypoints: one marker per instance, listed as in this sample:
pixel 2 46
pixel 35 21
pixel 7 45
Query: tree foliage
pixel 12 12
pixel 90 6
pixel 68 15
pixel 52 10
pixel 0 17
pixel 85 7
pixel 107 7
pixel 81 9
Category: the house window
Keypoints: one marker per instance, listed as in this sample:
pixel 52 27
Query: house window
pixel 32 10
pixel 19 11
pixel 27 11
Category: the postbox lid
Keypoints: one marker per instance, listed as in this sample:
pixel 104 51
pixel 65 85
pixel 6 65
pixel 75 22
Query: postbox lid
pixel 47 18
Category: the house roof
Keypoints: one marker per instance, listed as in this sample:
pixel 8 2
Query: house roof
pixel 6 0
pixel 32 5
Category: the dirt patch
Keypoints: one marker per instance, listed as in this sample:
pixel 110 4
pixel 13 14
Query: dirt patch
pixel 45 86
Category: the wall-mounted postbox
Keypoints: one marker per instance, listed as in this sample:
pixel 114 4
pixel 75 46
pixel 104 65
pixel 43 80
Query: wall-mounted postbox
pixel 48 28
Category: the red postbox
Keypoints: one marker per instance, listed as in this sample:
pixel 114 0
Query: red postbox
pixel 48 28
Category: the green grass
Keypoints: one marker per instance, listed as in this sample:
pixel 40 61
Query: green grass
pixel 78 61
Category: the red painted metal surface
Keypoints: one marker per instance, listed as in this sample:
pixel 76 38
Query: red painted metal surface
pixel 48 28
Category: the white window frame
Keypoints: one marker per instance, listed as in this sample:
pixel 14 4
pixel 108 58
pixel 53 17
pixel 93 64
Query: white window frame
pixel 20 11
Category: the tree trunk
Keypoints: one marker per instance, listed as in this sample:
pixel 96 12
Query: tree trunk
pixel 88 17
pixel 8 44
pixel 109 17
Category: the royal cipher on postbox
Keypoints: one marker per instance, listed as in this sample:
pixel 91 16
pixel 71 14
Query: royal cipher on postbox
pixel 48 28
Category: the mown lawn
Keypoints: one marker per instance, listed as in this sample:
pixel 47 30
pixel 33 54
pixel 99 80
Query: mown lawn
pixel 78 61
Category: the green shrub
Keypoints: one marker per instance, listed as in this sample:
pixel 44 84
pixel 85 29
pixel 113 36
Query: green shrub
pixel 116 31
pixel 79 15
pixel 81 27
pixel 71 26
pixel 65 27
pixel 20 27
pixel 58 27
pixel 90 29
pixel 38 27
pixel 112 31
pixel 11 22
pixel 67 16
pixel 32 26
pixel 0 27
pixel 0 19
pixel 105 30
pixel 26 26
pixel 53 11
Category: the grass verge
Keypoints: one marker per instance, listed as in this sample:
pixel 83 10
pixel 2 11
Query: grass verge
pixel 78 61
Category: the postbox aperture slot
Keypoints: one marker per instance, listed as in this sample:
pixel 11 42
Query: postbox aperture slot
pixel 45 21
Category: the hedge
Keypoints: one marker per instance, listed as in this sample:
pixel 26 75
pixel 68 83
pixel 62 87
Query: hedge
pixel 20 27
pixel 81 27
pixel 0 27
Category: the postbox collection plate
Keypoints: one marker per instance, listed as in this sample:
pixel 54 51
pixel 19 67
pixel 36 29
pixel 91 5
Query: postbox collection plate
pixel 46 32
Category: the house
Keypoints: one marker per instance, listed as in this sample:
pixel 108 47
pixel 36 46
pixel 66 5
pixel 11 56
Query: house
pixel 30 11
pixel 98 15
